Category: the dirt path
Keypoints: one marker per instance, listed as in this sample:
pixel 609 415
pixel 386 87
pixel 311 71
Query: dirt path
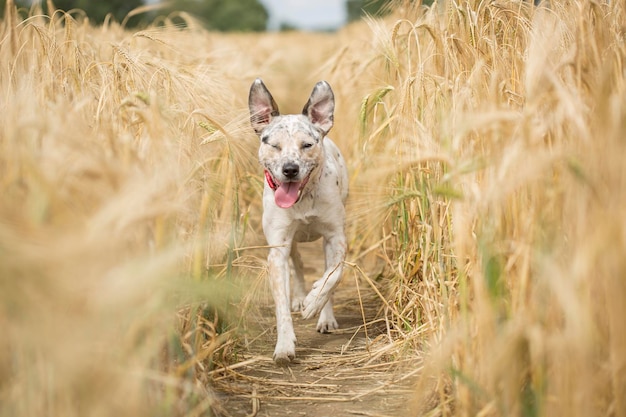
pixel 348 372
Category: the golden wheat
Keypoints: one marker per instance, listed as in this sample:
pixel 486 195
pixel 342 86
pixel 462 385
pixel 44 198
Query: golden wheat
pixel 505 226
pixel 110 203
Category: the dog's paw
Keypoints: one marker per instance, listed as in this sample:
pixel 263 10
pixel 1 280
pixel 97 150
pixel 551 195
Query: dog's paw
pixel 284 359
pixel 285 352
pixel 314 302
pixel 326 325
pixel 297 303
pixel 327 321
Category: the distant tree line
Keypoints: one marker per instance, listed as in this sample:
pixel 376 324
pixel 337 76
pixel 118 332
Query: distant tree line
pixel 96 11
pixel 358 8
pixel 222 15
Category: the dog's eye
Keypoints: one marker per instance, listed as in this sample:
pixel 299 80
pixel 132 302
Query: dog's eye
pixel 307 145
pixel 273 145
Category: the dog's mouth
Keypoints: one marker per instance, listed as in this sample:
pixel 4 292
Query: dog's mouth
pixel 286 194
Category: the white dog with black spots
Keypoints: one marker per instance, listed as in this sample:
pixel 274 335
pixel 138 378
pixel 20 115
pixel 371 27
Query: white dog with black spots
pixel 306 185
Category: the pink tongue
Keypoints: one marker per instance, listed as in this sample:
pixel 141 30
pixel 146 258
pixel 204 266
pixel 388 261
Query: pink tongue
pixel 286 195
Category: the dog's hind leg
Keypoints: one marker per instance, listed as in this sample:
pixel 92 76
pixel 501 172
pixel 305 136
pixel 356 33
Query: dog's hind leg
pixel 298 292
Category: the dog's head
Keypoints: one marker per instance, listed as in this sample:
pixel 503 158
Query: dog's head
pixel 291 148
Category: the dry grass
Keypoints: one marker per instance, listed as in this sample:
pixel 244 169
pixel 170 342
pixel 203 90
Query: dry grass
pixel 506 232
pixel 485 144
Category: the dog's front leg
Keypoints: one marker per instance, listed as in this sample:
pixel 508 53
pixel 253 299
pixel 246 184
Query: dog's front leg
pixel 278 264
pixel 323 288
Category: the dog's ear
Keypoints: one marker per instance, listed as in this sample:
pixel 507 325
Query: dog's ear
pixel 262 106
pixel 321 106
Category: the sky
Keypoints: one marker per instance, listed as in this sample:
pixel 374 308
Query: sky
pixel 306 14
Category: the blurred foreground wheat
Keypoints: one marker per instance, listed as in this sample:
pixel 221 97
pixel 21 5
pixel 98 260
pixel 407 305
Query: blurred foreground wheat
pixel 113 216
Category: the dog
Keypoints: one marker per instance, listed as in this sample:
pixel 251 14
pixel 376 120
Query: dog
pixel 306 186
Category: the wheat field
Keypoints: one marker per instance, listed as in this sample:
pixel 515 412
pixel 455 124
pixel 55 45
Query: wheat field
pixel 485 142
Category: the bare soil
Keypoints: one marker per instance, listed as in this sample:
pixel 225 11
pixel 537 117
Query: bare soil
pixel 352 371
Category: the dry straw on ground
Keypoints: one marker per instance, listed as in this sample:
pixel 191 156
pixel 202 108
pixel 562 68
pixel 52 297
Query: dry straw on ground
pixel 485 143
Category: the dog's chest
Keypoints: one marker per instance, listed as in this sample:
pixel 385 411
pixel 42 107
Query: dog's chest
pixel 309 227
pixel 323 219
pixel 309 212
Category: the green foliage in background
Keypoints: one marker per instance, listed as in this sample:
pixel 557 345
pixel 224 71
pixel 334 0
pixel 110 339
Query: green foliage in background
pixel 358 8
pixel 221 15
pixel 224 15
pixel 96 11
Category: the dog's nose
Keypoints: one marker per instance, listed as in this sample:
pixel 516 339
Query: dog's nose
pixel 291 170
